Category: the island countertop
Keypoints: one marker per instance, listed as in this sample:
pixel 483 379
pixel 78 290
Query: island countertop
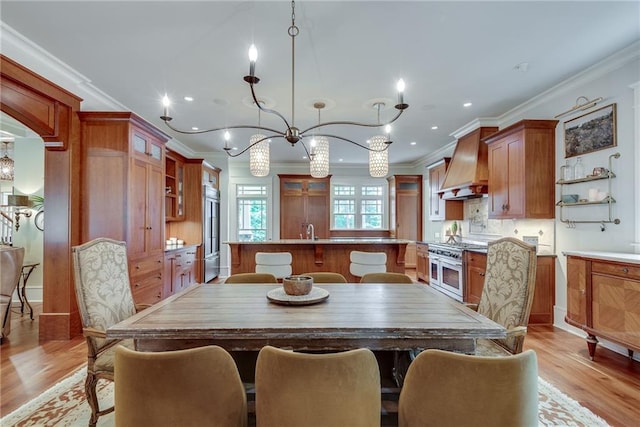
pixel 319 255
pixel 337 241
pixel 604 255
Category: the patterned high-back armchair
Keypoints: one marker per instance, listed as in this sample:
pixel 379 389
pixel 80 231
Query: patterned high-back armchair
pixel 507 295
pixel 104 299
pixel 10 269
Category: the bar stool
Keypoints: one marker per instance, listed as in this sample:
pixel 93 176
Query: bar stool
pixel 276 263
pixel 367 262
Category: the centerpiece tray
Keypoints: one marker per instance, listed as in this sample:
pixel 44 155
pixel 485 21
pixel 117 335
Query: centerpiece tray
pixel 279 296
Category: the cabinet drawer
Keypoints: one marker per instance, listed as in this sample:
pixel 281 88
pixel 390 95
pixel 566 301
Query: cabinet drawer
pixel 152 281
pixel 620 270
pixel 422 248
pixel 144 266
pixel 148 295
pixel 476 259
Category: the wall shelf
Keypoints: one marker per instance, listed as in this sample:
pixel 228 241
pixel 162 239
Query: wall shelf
pixel 608 201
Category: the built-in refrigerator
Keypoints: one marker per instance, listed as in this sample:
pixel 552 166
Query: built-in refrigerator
pixel 211 229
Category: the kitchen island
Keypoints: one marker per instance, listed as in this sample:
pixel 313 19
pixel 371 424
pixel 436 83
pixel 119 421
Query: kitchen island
pixel 319 255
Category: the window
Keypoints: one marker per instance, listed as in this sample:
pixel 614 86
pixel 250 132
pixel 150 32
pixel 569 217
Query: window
pixel 358 206
pixel 252 212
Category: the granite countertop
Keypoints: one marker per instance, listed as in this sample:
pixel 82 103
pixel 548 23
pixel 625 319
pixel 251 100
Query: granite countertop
pixel 339 240
pixel 609 256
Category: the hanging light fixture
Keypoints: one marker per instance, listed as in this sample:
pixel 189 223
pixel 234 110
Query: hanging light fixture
pixel 319 160
pixel 378 157
pixel 6 164
pixel 259 153
pixel 291 133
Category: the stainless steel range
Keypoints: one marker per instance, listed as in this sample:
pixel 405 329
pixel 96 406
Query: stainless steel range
pixel 446 267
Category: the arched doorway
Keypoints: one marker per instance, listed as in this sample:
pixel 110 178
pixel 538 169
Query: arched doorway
pixel 51 112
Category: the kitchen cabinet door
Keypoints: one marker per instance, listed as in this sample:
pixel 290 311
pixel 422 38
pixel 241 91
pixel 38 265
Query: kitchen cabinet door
pixel 304 200
pixel 440 209
pixel 522 170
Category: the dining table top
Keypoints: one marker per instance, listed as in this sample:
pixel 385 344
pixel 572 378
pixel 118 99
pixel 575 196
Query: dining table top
pixel 242 317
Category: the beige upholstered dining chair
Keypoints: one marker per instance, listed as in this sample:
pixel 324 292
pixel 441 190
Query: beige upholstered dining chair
pixel 276 263
pixel 194 387
pixel 386 278
pixel 362 263
pixel 449 389
pixel 10 271
pixel 507 295
pixel 326 277
pixel 333 389
pixel 104 299
pixel 251 278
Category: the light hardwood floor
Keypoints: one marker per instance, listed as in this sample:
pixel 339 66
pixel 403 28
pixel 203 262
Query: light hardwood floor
pixel 608 386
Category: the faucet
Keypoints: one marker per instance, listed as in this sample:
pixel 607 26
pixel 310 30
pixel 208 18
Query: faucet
pixel 310 232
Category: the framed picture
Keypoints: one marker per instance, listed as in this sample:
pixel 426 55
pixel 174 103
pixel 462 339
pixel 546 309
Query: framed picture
pixel 590 132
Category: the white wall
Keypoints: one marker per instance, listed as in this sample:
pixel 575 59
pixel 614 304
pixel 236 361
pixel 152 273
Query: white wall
pixel 29 179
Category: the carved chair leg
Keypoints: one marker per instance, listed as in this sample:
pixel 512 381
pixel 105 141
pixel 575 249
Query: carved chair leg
pixel 92 398
pixel 592 342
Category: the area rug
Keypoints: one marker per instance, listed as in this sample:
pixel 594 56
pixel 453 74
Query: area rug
pixel 64 405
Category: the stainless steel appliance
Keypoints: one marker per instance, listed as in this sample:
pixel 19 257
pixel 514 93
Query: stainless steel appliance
pixel 211 230
pixel 446 267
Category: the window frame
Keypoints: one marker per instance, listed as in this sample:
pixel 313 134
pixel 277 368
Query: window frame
pixel 358 184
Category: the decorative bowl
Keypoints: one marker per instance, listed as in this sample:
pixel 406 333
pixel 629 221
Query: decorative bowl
pixel 297 285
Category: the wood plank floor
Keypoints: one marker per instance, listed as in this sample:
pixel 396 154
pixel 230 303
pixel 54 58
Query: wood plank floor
pixel 608 386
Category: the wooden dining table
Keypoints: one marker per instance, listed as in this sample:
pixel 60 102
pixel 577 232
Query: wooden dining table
pixel 240 317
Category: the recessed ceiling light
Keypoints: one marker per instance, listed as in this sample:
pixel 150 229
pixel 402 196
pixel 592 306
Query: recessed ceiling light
pixel 195 128
pixel 339 160
pixel 188 98
pixel 434 127
pixel 412 143
pixel 467 104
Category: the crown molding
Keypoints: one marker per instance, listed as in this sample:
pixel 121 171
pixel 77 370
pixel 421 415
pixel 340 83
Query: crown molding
pixel 473 125
pixel 22 50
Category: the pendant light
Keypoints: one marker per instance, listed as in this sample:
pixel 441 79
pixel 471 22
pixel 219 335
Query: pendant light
pixel 319 164
pixel 259 153
pixel 378 151
pixel 6 164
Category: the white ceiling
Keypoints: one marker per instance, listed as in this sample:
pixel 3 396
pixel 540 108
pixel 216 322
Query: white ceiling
pixel 348 54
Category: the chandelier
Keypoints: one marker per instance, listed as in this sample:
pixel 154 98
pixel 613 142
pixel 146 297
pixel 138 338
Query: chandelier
pixel 318 153
pixel 6 164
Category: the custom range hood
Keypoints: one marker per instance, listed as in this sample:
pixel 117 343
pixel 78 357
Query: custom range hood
pixel 468 174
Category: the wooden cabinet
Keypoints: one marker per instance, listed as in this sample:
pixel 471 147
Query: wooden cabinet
pixel 123 193
pixel 180 269
pixel 476 265
pixel 174 187
pixel 405 212
pixel 422 262
pixel 196 228
pixel 602 298
pixel 439 208
pixel 545 289
pixel 304 200
pixel 522 170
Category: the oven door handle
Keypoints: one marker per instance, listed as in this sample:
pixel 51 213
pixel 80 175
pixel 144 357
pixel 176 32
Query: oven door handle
pixel 455 264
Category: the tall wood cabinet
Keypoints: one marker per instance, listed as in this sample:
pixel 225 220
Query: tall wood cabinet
pixel 304 200
pixel 439 208
pixel 522 170
pixel 123 193
pixel 405 212
pixel 602 299
pixel 544 295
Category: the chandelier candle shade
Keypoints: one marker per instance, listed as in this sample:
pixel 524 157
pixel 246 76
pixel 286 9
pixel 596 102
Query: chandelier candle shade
pixel 318 151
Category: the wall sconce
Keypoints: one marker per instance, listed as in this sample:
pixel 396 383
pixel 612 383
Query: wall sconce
pixel 19 202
